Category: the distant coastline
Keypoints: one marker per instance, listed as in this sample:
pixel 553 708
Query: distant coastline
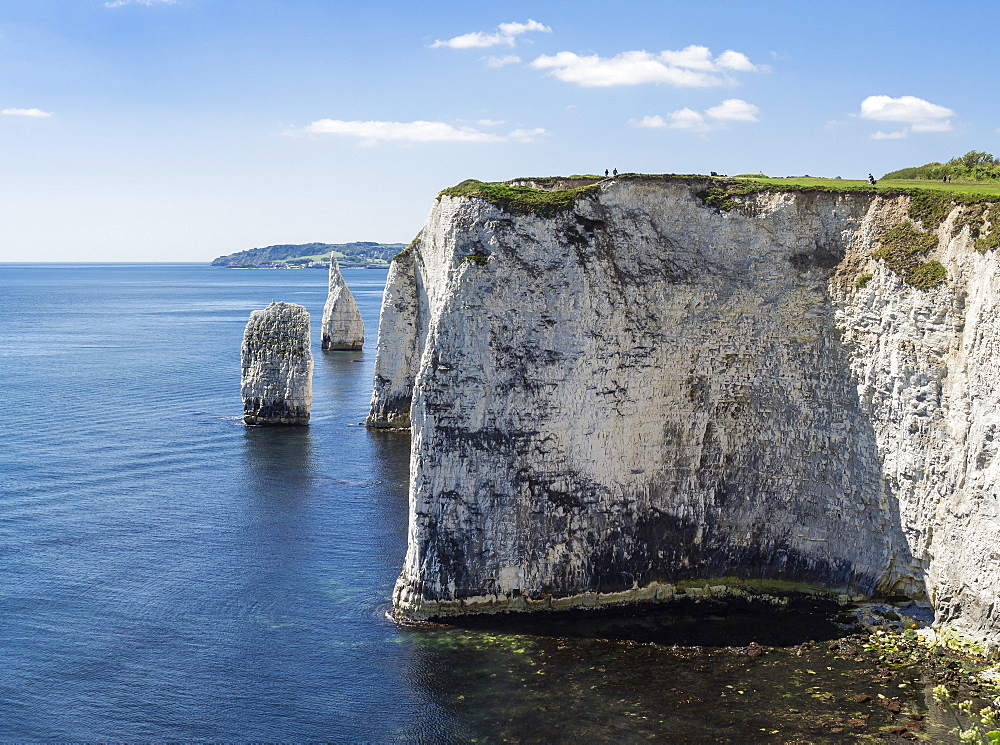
pixel 357 255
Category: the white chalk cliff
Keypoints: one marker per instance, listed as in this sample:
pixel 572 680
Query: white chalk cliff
pixel 277 366
pixel 343 328
pixel 643 388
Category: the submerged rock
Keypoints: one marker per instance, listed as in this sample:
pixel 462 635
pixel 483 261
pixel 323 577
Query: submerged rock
pixel 622 388
pixel 342 324
pixel 277 366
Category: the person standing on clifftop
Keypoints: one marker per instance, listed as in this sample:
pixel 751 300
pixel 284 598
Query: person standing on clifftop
pixel 605 173
pixel 616 172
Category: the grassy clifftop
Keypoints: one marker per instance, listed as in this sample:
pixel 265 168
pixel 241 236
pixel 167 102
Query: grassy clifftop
pixel 519 199
pixel 549 196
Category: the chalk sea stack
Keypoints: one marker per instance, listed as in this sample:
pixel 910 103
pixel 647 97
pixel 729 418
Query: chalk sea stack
pixel 343 328
pixel 657 387
pixel 277 366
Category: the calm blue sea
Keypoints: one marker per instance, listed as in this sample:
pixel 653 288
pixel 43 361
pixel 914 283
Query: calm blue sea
pixel 167 574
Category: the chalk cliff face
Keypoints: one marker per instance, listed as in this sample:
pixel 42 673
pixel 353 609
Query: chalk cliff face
pixel 277 366
pixel 643 389
pixel 342 325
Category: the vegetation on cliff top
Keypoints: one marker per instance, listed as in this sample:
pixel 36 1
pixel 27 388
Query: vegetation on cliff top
pixel 521 200
pixel 548 196
pixel 902 247
pixel 975 165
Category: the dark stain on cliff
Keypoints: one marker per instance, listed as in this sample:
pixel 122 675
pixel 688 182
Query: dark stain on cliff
pixel 824 256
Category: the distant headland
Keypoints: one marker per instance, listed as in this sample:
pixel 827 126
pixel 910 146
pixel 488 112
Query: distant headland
pixel 313 255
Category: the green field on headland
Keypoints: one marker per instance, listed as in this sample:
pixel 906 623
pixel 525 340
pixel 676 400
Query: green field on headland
pixel 975 188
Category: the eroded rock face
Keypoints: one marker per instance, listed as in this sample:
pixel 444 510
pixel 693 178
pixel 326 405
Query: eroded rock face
pixel 644 389
pixel 343 328
pixel 277 366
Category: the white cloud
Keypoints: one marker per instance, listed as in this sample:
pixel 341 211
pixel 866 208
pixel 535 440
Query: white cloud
pixel 691 67
pixel 507 59
pixel 734 110
pixel 908 109
pixel 918 114
pixel 506 33
pixel 650 122
pixel 490 122
pixel 120 3
pixel 730 60
pixel 688 119
pixel 526 135
pixel 933 126
pixel 36 113
pixel 372 132
pixel 880 135
pixel 714 118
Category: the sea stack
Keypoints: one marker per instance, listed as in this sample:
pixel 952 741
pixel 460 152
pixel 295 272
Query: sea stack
pixel 343 328
pixel 277 366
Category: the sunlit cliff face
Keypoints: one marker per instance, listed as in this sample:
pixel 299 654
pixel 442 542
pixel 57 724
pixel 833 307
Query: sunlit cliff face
pixel 641 390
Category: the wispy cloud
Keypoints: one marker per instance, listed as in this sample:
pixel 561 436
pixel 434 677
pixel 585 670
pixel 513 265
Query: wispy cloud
pixel 373 132
pixel 120 3
pixel 915 113
pixel 36 113
pixel 714 118
pixel 691 67
pixel 507 59
pixel 506 33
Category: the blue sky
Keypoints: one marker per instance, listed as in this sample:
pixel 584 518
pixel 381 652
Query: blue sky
pixel 159 130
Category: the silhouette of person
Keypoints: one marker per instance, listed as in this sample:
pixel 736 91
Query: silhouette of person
pixel 605 173
pixel 616 172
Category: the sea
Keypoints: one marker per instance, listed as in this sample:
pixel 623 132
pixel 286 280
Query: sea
pixel 170 574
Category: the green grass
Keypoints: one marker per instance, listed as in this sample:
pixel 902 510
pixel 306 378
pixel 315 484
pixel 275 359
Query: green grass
pixel 965 188
pixel 521 200
pixel 927 275
pixel 724 197
pixel 933 200
pixel 931 207
pixel 901 249
pixel 991 239
pixel 969 188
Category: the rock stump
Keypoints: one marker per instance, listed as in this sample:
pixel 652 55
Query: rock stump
pixel 343 328
pixel 277 366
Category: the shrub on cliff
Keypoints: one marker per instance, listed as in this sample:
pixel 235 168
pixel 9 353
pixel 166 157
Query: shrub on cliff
pixel 901 248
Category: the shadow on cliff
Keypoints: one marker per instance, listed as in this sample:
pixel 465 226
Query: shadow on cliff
pixel 801 496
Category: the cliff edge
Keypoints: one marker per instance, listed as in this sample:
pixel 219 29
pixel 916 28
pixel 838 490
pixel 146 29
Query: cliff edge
pixel 619 387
